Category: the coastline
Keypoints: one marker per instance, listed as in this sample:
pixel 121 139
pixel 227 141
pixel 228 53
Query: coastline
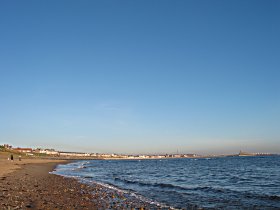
pixel 28 184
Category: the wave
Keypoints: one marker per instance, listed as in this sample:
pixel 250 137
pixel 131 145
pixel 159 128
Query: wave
pixel 206 189
pixel 166 185
pixel 263 197
pixel 123 191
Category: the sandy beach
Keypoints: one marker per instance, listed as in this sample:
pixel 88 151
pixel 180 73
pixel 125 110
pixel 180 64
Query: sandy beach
pixel 7 166
pixel 27 184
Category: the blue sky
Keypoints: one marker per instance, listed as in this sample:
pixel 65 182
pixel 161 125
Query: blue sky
pixel 141 76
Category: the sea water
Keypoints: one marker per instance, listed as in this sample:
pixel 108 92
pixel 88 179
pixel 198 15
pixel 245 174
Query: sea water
pixel 225 182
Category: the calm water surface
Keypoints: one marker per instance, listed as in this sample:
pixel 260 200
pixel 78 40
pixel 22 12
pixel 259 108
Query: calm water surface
pixel 227 183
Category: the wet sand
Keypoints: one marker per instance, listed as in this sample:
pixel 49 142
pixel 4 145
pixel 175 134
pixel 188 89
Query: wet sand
pixel 27 184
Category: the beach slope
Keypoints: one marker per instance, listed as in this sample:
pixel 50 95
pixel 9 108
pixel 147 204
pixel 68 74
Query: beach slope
pixel 28 184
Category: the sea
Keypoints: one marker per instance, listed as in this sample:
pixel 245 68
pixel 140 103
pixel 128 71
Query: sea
pixel 190 183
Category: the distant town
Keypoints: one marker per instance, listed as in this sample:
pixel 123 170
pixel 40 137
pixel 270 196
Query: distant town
pixel 52 153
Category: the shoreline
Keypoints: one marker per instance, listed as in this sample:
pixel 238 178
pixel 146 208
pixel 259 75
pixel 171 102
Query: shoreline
pixel 28 184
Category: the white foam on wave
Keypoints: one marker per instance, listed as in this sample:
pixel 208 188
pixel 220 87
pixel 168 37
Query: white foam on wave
pixel 130 193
